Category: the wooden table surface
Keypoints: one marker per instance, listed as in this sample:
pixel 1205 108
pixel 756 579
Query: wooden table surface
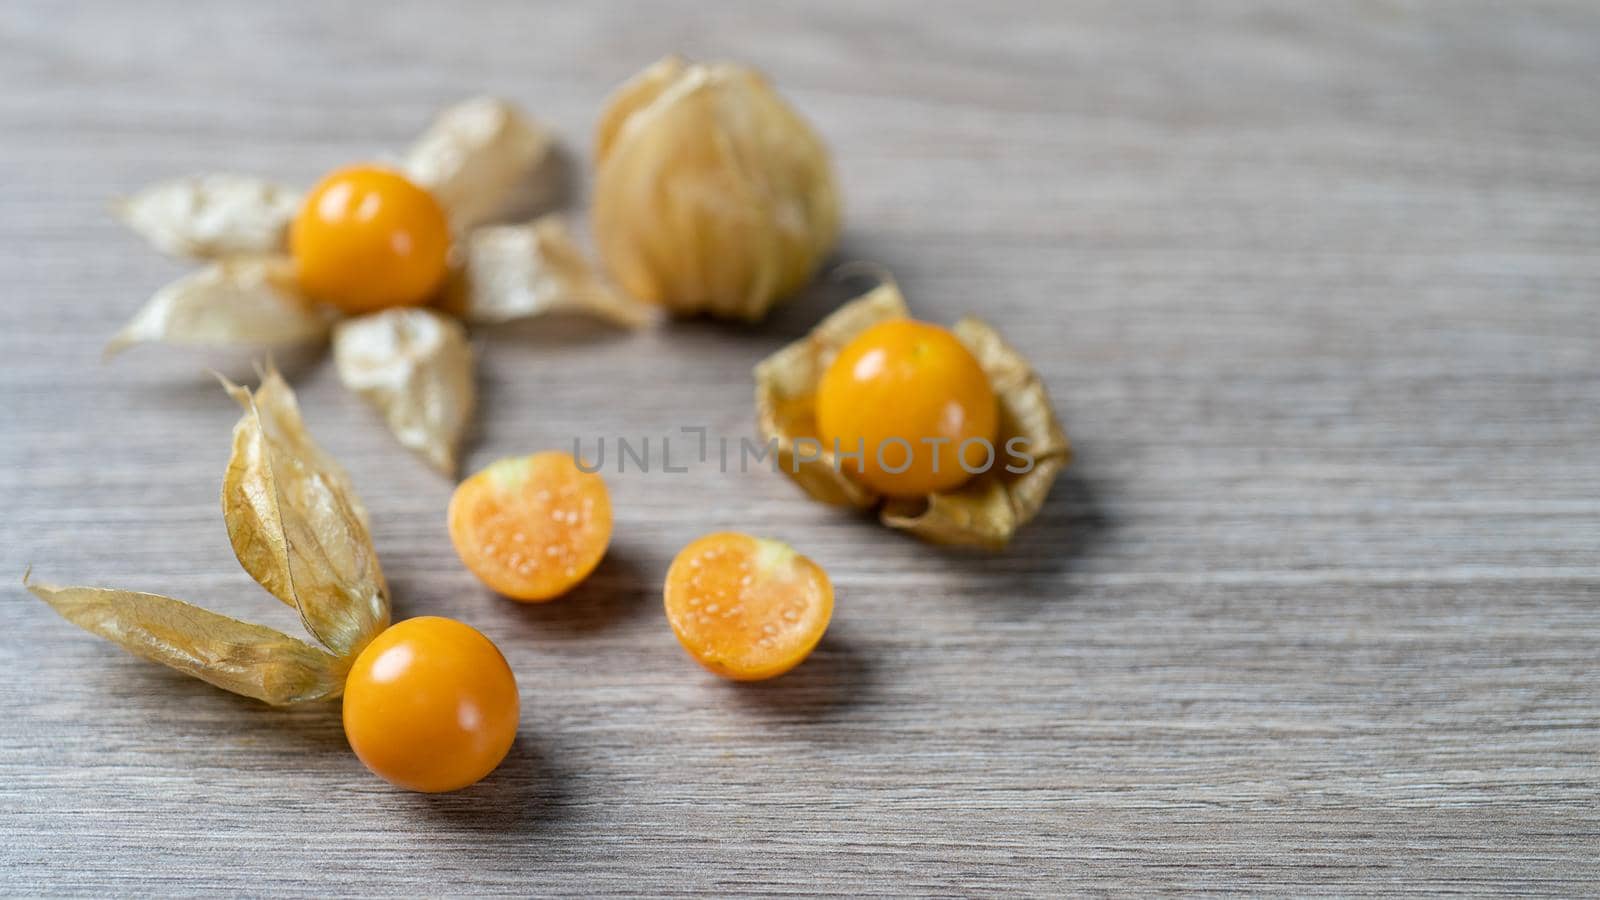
pixel 1315 287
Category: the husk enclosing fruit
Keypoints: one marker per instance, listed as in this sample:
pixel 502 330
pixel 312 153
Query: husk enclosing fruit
pixel 712 195
pixel 985 511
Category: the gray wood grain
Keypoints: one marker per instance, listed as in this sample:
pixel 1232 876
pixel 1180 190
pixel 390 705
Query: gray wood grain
pixel 1316 289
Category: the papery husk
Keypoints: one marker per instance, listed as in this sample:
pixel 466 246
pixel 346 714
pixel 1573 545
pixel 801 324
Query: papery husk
pixel 632 96
pixel 296 524
pixel 518 271
pixel 211 216
pixel 415 367
pixel 236 656
pixel 298 529
pixel 482 158
pixel 984 512
pixel 245 300
pixel 712 194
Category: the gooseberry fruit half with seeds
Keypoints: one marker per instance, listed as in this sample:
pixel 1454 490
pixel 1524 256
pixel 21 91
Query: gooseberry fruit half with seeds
pixel 747 608
pixel 531 527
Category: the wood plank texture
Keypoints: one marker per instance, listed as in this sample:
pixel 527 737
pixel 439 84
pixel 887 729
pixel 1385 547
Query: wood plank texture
pixel 1316 288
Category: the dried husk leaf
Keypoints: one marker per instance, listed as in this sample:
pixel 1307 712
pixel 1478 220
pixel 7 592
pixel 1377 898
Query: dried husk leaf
pixel 978 513
pixel 712 194
pixel 211 216
pixel 519 271
pixel 984 512
pixel 481 158
pixel 296 524
pixel 415 367
pixel 1025 412
pixel 246 300
pixel 236 656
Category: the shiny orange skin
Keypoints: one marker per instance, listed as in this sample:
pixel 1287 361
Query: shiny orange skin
pixel 746 608
pixel 367 238
pixel 531 527
pixel 430 705
pixel 907 381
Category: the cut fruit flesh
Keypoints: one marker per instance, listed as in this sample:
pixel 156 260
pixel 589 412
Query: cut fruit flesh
pixel 531 527
pixel 747 608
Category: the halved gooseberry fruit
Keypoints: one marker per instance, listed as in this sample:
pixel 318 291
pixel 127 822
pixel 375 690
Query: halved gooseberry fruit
pixel 531 527
pixel 747 608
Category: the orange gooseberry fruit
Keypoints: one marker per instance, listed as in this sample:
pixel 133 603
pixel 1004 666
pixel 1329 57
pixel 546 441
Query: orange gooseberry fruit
pixel 747 608
pixel 367 238
pixel 431 705
pixel 531 527
pixel 915 402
